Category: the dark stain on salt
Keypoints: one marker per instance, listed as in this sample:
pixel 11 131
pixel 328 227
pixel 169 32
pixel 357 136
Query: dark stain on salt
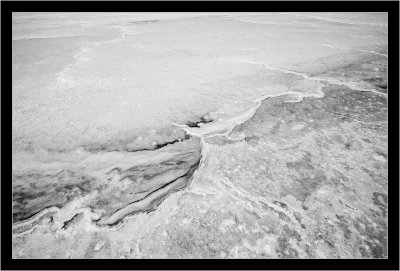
pixel 201 121
pixel 144 22
pixel 75 219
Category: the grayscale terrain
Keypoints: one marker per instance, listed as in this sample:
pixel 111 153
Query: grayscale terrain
pixel 199 135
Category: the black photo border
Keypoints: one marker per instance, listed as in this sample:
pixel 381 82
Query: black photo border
pixel 392 7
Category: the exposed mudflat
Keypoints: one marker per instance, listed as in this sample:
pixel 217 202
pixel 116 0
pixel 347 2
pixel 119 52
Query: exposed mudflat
pixel 272 147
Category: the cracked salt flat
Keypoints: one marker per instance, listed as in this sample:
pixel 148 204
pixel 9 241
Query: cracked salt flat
pixel 131 102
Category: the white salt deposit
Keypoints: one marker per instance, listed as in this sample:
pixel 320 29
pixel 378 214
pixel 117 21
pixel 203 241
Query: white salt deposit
pixel 95 78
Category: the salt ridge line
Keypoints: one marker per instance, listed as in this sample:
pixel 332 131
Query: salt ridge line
pixel 330 45
pixel 317 79
pixel 19 38
pixel 224 128
pixel 62 76
pixel 278 23
pixel 368 51
pixel 60 215
pixel 351 85
pixel 60 218
pixel 35 217
pixel 336 21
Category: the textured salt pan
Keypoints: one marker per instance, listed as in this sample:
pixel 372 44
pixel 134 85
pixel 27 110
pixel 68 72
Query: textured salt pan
pixel 120 79
pixel 100 88
pixel 114 114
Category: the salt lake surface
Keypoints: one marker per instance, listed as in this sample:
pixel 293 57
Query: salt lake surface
pixel 113 113
pixel 87 79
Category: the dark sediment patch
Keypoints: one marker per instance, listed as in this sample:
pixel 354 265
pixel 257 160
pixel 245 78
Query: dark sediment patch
pixel 306 186
pixel 143 183
pixel 149 140
pixel 379 82
pixel 144 22
pixel 280 204
pixel 198 123
pixel 162 145
pixel 309 178
pixel 35 191
pixel 149 200
pixel 74 220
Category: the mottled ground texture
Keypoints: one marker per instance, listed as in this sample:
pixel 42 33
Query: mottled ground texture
pixel 307 179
